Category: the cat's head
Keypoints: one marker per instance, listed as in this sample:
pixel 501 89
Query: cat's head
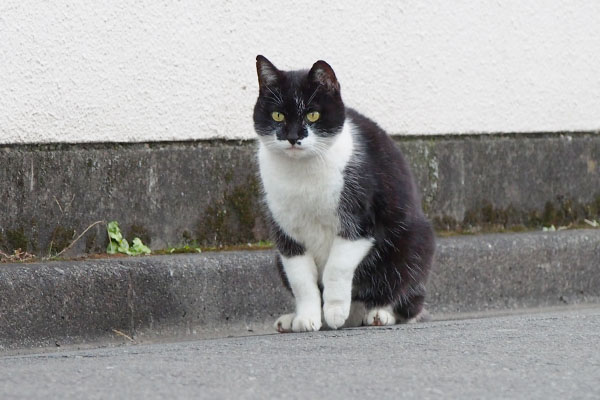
pixel 298 113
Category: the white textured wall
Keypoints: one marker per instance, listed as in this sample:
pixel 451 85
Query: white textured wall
pixel 161 70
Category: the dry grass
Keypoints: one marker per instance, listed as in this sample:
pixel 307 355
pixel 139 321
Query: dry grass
pixel 126 336
pixel 17 256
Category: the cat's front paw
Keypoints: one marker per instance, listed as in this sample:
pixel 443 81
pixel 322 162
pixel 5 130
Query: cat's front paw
pixel 302 323
pixel 292 323
pixel 335 314
pixel 284 323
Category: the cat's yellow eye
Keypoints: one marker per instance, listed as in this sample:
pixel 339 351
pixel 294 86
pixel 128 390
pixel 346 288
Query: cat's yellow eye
pixel 277 116
pixel 313 116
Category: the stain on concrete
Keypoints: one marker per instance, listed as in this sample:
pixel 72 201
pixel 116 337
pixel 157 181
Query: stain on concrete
pixel 137 230
pixel 233 219
pixel 60 238
pixel 16 239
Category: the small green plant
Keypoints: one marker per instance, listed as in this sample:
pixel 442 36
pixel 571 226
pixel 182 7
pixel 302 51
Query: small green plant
pixel 185 249
pixel 118 244
pixel 261 243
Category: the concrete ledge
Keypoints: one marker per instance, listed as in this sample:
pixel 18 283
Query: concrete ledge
pixel 174 193
pixel 217 294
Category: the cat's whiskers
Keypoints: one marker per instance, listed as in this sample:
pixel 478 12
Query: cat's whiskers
pixel 272 100
pixel 277 97
pixel 299 104
pixel 312 96
pixel 319 149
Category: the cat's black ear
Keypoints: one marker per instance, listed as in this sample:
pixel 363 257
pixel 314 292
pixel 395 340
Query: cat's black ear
pixel 268 74
pixel 322 73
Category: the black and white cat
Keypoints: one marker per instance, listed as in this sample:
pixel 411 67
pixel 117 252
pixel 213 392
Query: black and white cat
pixel 354 246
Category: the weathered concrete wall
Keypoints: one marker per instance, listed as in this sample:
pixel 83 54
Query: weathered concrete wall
pixel 207 192
pixel 167 194
pixel 114 71
pixel 509 181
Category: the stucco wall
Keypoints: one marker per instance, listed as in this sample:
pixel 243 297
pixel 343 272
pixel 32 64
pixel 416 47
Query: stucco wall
pixel 164 70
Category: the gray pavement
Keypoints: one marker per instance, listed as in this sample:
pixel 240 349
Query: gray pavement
pixel 547 355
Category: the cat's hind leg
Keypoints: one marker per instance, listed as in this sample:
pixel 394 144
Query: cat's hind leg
pixel 383 316
pixel 380 316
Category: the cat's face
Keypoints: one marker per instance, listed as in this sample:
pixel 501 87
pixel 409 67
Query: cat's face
pixel 298 113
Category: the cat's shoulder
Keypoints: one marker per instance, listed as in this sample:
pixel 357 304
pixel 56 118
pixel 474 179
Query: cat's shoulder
pixel 369 131
pixel 361 121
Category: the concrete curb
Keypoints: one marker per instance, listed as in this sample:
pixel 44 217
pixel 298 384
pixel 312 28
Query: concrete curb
pixel 218 294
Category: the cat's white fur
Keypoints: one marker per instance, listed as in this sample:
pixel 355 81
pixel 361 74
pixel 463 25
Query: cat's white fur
pixel 303 185
pixel 303 191
pixel 344 257
pixel 302 275
pixel 380 316
pixel 358 312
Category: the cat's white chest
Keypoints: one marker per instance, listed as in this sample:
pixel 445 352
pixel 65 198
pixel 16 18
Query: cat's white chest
pixel 303 195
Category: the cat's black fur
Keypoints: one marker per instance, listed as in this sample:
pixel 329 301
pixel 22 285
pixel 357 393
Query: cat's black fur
pixel 382 202
pixel 379 199
pixel 316 95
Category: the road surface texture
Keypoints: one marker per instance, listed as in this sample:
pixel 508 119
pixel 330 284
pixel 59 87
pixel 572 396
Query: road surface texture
pixel 549 355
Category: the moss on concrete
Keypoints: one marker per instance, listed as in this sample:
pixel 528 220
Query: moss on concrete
pixel 243 201
pixel 565 211
pixel 232 220
pixel 228 176
pixel 261 245
pixel 211 226
pixel 16 239
pixel 187 237
pixel 424 164
pixel 91 243
pixel 431 163
pixel 445 223
pixel 487 218
pixel 61 237
pixel 139 231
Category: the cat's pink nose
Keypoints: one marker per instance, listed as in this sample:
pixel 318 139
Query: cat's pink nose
pixel 292 141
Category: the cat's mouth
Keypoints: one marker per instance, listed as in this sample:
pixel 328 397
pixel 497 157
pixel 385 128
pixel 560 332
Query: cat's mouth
pixel 294 151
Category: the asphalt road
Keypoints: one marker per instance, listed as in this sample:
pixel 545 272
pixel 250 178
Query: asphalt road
pixel 551 355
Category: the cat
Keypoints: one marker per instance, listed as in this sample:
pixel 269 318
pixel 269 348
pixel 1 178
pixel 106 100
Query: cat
pixel 354 246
